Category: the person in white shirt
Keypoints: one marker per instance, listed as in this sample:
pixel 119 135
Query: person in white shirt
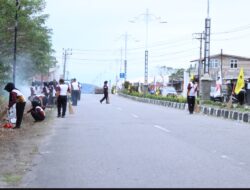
pixel 74 92
pixel 191 93
pixel 61 90
pixel 16 98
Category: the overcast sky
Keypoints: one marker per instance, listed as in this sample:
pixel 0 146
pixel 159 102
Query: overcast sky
pixel 95 31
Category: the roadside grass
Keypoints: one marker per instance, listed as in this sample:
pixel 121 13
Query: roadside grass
pixel 10 178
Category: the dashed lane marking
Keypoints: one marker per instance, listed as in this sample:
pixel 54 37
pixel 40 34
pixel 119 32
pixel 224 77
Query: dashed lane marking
pixel 225 157
pixel 135 116
pixel 162 128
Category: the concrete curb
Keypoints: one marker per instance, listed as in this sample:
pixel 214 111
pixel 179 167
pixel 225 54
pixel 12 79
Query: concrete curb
pixel 205 110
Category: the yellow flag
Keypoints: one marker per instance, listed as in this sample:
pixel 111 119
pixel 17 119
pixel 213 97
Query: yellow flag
pixel 192 77
pixel 240 82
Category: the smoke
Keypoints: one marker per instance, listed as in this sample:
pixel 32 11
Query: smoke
pixel 24 67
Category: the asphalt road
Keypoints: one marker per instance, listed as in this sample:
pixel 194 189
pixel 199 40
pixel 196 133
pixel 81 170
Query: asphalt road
pixel 128 144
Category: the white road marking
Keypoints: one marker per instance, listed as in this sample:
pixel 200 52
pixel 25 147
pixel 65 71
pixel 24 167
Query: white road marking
pixel 242 163
pixel 214 151
pixel 225 157
pixel 161 128
pixel 135 116
pixel 45 152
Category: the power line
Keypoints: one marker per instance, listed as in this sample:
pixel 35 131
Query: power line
pixel 233 38
pixel 237 29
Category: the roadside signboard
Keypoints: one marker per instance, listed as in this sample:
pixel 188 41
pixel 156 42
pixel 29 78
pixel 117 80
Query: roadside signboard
pixel 122 75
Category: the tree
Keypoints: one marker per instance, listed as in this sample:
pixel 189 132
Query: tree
pixel 164 72
pixel 178 75
pixel 34 48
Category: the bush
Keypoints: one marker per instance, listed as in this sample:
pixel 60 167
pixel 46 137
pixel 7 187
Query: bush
pixel 179 99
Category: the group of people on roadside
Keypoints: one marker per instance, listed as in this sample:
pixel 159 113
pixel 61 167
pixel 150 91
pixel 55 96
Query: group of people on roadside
pixel 17 99
pixel 45 91
pixel 39 100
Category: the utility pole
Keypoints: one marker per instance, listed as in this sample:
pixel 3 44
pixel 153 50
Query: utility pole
pixel 207 42
pixel 126 37
pixel 199 36
pixel 121 66
pixel 206 79
pixel 66 52
pixel 15 41
pixel 221 66
pixel 125 60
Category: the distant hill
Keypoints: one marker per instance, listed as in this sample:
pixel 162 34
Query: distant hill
pixel 88 88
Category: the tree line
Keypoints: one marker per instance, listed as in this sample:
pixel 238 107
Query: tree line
pixel 33 40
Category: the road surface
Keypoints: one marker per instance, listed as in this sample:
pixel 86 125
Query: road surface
pixel 129 144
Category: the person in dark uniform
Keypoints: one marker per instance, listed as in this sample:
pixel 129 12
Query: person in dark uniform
pixel 105 92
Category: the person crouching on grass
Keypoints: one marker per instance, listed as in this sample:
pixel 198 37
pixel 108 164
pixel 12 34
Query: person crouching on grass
pixel 37 111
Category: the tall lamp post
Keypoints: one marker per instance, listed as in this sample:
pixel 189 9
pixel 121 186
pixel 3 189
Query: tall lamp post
pixel 146 18
pixel 15 41
pixel 126 38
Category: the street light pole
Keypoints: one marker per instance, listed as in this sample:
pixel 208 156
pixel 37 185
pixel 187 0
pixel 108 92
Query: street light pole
pixel 125 62
pixel 146 16
pixel 15 41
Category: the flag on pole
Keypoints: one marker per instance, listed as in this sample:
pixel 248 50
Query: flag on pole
pixel 192 77
pixel 218 83
pixel 240 82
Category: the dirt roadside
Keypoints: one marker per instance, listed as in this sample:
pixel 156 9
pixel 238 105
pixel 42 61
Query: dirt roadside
pixel 19 146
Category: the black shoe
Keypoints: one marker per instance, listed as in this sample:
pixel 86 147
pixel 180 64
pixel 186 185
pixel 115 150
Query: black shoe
pixel 100 101
pixel 58 115
pixel 16 127
pixel 63 116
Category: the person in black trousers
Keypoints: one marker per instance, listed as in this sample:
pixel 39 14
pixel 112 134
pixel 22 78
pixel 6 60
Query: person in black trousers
pixel 61 90
pixel 105 92
pixel 191 93
pixel 16 97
